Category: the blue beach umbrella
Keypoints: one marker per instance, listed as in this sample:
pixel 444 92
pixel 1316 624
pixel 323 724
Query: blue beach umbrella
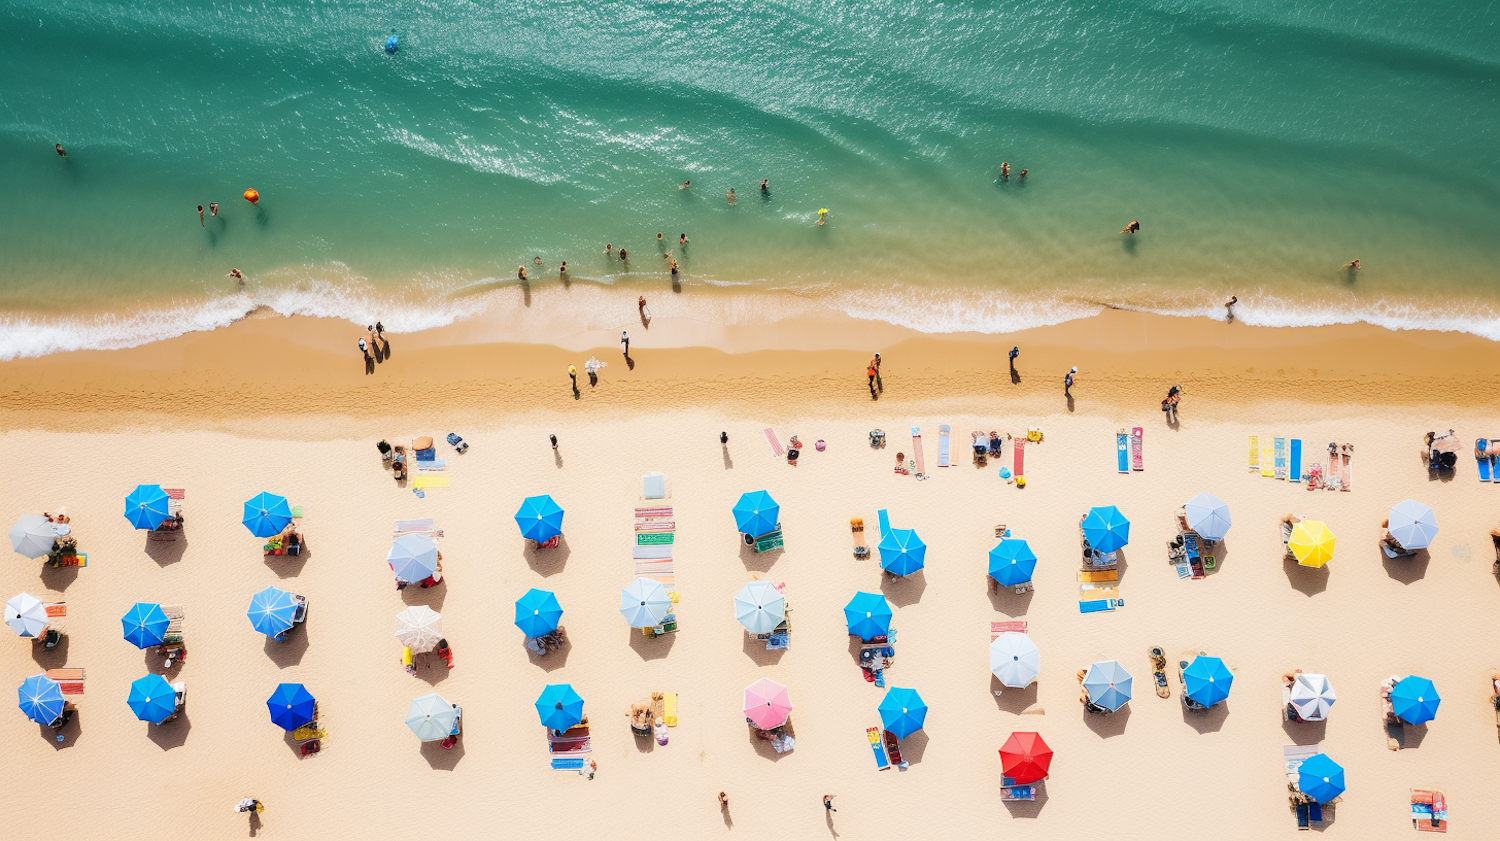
pixel 146 507
pixel 559 706
pixel 756 513
pixel 537 613
pixel 1207 680
pixel 271 611
pixel 413 557
pixel 902 552
pixel 902 712
pixel 1413 524
pixel 1320 778
pixel 1012 562
pixel 1415 700
pixel 540 518
pixel 1208 516
pixel 868 615
pixel 1106 528
pixel 1108 684
pixel 267 514
pixel 145 625
pixel 291 706
pixel 40 697
pixel 152 699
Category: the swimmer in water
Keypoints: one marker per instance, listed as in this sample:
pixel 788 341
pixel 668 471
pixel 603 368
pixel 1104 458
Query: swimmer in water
pixel 1004 171
pixel 730 195
pixel 682 239
pixel 622 255
pixel 61 153
pixel 674 268
pixel 822 216
pixel 1022 176
pixel 765 185
pixel 201 223
pixel 608 249
pixel 684 185
pixel 1132 227
pixel 213 208
pixel 658 237
pixel 563 269
pixel 235 273
pixel 520 272
pixel 1352 264
pixel 537 261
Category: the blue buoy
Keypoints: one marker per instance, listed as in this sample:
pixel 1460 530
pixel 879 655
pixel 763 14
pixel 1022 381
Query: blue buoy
pixel 391 44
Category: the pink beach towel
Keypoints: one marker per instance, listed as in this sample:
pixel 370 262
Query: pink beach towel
pixel 775 443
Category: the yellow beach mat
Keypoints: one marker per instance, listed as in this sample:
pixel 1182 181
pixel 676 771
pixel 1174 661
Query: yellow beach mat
pixel 1311 543
pixel 430 482
pixel 670 714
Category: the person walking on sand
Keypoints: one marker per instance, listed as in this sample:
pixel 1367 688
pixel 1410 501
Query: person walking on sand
pixel 364 347
pixel 641 305
pixel 249 804
pixel 878 384
pixel 1229 307
pixel 870 372
pixel 201 223
pixel 1069 380
pixel 723 800
pixel 828 803
pixel 520 272
pixel 625 340
pixel 1014 352
pixel 61 153
pixel 1132 227
pixel 573 375
pixel 553 439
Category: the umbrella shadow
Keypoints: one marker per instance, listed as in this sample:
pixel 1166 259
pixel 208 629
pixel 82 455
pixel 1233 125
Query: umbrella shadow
pixel 1210 720
pixel 1304 732
pixel 288 566
pixel 166 549
pixel 1107 726
pixel 441 759
pixel 53 658
pixel 171 734
pixel 1006 600
pixel 415 594
pixel 756 650
pixel 903 591
pixel 1309 581
pixel 1408 569
pixel 548 562
pixel 556 658
pixel 1121 565
pixel 1029 808
pixel 70 733
pixel 288 652
pixel 758 561
pixel 762 742
pixel 1221 554
pixel 58 578
pixel 433 669
pixel 1410 736
pixel 155 663
pixel 651 649
pixel 913 746
pixel 1011 700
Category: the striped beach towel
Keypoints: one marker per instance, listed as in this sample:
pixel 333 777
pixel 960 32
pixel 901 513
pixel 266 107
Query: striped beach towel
pixel 774 442
pixel 1014 626
pixel 661 570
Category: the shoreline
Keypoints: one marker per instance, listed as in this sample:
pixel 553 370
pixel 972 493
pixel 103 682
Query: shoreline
pixel 265 368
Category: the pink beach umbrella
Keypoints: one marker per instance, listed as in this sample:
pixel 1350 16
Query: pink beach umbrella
pixel 767 704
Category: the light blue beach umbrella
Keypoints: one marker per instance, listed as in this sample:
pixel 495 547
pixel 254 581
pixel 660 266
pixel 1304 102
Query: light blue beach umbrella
pixel 145 625
pixel 1413 524
pixel 1208 516
pixel 33 535
pixel 40 697
pixel 431 717
pixel 902 552
pixel 1207 680
pixel 760 607
pixel 26 615
pixel 1108 684
pixel 540 518
pixel 291 706
pixel 559 706
pixel 413 557
pixel 756 513
pixel 271 611
pixel 146 507
pixel 1320 778
pixel 1012 562
pixel 537 613
pixel 645 602
pixel 1415 700
pixel 1106 529
pixel 868 615
pixel 267 514
pixel 152 699
pixel 902 712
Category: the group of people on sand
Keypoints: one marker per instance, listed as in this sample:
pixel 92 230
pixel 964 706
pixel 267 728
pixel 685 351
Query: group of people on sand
pixel 374 344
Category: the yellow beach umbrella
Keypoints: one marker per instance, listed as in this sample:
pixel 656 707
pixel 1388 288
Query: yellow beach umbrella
pixel 1311 543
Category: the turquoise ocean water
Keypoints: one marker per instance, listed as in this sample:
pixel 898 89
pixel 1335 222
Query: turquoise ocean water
pixel 1260 144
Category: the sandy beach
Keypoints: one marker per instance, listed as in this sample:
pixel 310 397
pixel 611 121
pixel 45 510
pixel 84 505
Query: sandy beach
pixel 284 405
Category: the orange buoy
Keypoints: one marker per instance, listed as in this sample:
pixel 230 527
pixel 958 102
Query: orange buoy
pixel 252 196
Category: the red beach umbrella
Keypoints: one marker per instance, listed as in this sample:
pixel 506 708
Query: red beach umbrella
pixel 1025 758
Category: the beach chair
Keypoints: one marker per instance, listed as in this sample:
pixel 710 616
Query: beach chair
pixel 774 442
pixel 1429 810
pixel 878 746
pixel 1137 447
pixel 861 548
pixel 458 443
pixel 1009 790
pixel 893 750
pixel 943 434
pixel 770 540
pixel 654 486
pixel 1294 460
pixel 1122 451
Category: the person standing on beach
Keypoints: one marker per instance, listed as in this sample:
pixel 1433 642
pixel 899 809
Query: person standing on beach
pixel 871 373
pixel 201 223
pixel 876 363
pixel 61 153
pixel 249 804
pixel 573 375
pixel 553 439
pixel 641 305
pixel 625 340
pixel 828 803
pixel 1229 307
pixel 674 267
pixel 723 800
pixel 563 269
pixel 1069 380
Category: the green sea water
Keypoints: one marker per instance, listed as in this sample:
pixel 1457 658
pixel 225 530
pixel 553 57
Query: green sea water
pixel 1260 144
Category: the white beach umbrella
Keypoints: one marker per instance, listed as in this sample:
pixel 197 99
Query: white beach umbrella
pixel 431 717
pixel 1015 660
pixel 759 607
pixel 33 535
pixel 26 615
pixel 645 602
pixel 1208 516
pixel 1312 695
pixel 1412 524
pixel 419 628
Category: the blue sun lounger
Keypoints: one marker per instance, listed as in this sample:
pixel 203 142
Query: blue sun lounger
pixel 1294 463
